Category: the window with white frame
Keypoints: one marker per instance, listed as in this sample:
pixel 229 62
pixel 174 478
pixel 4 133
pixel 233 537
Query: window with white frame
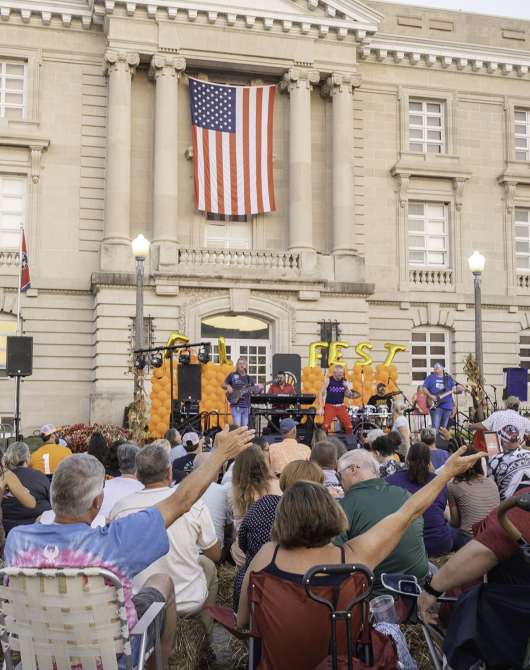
pixel 429 346
pixel 428 234
pixel 524 350
pixel 522 134
pixel 426 126
pixel 12 210
pixel 12 88
pixel 522 239
pixel 228 234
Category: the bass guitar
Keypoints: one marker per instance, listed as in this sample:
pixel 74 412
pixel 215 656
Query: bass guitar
pixel 236 395
pixel 434 404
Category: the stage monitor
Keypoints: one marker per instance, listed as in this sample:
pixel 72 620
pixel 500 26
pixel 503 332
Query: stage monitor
pixel 290 363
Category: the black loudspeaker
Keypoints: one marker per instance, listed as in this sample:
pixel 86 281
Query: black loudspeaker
pixel 19 356
pixel 288 363
pixel 189 382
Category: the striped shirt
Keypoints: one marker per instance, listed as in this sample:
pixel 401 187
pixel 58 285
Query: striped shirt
pixel 474 500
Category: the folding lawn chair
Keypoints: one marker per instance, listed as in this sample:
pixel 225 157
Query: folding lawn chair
pixel 65 618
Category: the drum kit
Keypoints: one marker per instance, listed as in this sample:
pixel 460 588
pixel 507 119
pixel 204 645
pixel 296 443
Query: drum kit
pixel 369 417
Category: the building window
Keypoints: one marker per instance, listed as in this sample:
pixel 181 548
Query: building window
pixel 426 126
pixel 228 235
pixel 524 350
pixel 12 210
pixel 8 326
pixel 428 243
pixel 428 347
pixel 12 89
pixel 522 134
pixel 522 239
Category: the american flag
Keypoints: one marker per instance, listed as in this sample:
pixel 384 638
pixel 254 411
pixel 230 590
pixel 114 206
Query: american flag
pixel 232 145
pixel 25 281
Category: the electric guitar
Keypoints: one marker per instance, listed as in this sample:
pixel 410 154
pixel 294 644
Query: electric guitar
pixel 434 404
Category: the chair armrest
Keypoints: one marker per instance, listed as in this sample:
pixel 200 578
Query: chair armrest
pixel 148 618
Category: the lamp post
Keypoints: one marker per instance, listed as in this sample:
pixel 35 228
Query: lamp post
pixel 140 249
pixel 137 419
pixel 476 265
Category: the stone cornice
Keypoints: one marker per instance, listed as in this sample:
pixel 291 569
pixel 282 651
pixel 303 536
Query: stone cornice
pixel 66 12
pixel 436 54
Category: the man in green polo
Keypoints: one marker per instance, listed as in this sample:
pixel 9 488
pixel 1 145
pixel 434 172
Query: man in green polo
pixel 367 500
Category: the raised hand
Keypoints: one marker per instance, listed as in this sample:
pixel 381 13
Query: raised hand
pixel 231 443
pixel 457 463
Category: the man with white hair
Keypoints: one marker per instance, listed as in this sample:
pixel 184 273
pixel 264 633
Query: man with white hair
pixel 331 402
pixel 127 546
pixel 127 483
pixel 510 469
pixel 367 500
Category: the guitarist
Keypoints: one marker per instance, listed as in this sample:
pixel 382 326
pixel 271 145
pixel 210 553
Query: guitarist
pixel 437 383
pixel 240 403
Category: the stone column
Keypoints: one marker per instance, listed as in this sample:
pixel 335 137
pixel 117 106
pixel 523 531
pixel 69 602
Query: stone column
pixel 165 70
pixel 116 254
pixel 298 82
pixel 340 87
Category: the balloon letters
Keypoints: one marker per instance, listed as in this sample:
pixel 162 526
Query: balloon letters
pixel 361 349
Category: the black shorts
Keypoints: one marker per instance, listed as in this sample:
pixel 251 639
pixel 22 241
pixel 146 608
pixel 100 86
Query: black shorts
pixel 142 601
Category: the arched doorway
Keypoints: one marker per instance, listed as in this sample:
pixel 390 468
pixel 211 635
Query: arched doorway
pixel 246 336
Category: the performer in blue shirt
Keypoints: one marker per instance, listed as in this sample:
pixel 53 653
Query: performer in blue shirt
pixel 440 383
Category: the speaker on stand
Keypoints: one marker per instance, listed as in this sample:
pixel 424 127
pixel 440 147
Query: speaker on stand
pixel 19 363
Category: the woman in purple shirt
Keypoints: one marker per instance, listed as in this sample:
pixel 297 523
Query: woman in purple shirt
pixel 437 534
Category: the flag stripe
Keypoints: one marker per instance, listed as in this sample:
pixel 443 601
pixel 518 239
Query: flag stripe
pixel 227 179
pixel 265 150
pixel 252 150
pixel 219 170
pixel 233 166
pixel 234 173
pixel 259 182
pixel 272 95
pixel 246 150
pixel 239 155
pixel 206 169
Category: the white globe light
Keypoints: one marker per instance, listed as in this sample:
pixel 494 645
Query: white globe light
pixel 140 247
pixel 476 263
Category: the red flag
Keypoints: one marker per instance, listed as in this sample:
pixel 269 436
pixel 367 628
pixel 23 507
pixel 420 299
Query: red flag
pixel 25 281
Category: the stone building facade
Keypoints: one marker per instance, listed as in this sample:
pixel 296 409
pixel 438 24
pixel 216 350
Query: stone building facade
pixel 401 144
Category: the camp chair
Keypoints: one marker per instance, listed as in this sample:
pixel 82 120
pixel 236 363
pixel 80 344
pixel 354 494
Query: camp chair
pixel 65 618
pixel 288 628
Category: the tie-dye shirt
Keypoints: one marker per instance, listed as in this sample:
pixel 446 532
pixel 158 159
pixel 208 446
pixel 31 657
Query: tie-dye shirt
pixel 125 547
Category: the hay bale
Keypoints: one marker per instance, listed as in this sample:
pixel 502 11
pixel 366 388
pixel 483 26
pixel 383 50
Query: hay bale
pixel 417 646
pixel 191 645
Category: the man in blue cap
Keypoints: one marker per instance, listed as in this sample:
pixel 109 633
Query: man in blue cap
pixel 289 449
pixel 439 387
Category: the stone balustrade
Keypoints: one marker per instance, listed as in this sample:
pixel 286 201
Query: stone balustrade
pixel 522 281
pixel 285 264
pixel 9 258
pixel 430 279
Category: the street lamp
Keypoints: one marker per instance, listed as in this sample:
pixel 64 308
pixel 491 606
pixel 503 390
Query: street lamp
pixel 140 249
pixel 476 265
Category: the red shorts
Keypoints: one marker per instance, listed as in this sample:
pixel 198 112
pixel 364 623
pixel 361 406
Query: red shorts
pixel 339 412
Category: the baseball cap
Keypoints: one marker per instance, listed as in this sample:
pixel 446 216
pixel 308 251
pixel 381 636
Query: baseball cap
pixel 47 430
pixel 438 365
pixel 190 437
pixel 286 425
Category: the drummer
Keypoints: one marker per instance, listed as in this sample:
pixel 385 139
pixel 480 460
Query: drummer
pixel 381 398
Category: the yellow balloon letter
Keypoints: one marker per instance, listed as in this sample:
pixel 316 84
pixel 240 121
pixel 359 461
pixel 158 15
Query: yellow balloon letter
pixel 366 359
pixel 314 353
pixel 335 353
pixel 174 339
pixel 392 349
pixel 223 356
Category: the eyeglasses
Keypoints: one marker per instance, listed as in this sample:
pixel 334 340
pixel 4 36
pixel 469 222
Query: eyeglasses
pixel 353 467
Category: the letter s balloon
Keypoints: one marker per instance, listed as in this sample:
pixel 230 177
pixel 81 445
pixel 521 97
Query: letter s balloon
pixel 366 359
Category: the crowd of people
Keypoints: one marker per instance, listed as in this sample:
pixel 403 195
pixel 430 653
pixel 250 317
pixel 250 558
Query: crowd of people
pixel 164 515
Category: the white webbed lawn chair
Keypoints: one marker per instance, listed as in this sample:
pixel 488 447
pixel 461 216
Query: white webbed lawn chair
pixel 64 618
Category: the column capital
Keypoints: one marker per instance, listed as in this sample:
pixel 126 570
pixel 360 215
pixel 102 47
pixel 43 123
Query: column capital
pixel 121 61
pixel 164 64
pixel 341 82
pixel 299 77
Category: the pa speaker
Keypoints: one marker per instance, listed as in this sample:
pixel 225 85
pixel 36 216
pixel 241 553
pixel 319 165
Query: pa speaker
pixel 19 356
pixel 516 383
pixel 290 363
pixel 189 382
